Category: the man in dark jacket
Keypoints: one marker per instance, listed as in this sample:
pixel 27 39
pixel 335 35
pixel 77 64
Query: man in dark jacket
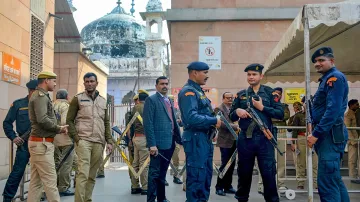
pixel 227 143
pixel 161 131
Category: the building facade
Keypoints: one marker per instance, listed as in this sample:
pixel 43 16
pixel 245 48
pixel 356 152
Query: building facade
pixel 71 60
pixel 249 31
pixel 26 48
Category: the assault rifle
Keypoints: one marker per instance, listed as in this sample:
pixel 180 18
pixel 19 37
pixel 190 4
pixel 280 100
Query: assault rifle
pixel 264 128
pixel 26 135
pixel 233 156
pixel 308 114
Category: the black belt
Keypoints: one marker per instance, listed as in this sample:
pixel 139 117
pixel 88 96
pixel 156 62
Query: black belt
pixel 196 130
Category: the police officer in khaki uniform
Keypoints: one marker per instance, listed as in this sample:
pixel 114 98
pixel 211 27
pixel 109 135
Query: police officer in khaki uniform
pixel 281 144
pixel 135 186
pixel 353 144
pixel 299 148
pixel 63 145
pixel 175 157
pixel 43 130
pixel 89 126
pixel 141 152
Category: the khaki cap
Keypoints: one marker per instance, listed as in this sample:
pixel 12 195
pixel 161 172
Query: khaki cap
pixel 47 75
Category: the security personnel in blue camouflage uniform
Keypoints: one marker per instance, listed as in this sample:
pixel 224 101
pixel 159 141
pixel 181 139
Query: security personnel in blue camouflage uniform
pixel 252 142
pixel 199 123
pixel 329 134
pixel 18 112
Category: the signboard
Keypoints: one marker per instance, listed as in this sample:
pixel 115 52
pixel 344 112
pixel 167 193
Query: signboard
pixel 294 95
pixel 11 69
pixel 210 51
pixel 211 93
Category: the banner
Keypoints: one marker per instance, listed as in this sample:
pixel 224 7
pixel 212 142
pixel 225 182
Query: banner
pixel 211 93
pixel 11 69
pixel 293 95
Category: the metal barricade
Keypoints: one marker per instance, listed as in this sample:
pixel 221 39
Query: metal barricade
pixel 117 118
pixel 284 140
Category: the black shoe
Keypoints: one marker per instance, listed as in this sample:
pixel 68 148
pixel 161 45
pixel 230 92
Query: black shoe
pixel 177 180
pixel 143 192
pixel 66 193
pixel 220 192
pixel 136 191
pixel 166 183
pixel 100 176
pixel 43 197
pixel 230 191
pixel 355 181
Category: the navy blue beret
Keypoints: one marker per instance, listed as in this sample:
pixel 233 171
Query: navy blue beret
pixel 32 84
pixel 199 66
pixel 254 67
pixel 278 89
pixel 324 51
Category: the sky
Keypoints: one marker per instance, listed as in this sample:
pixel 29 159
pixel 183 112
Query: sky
pixel 90 10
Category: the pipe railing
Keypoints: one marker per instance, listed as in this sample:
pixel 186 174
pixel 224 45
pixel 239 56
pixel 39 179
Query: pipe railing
pixel 283 131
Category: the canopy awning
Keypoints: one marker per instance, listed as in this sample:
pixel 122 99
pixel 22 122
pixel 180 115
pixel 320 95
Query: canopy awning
pixel 335 25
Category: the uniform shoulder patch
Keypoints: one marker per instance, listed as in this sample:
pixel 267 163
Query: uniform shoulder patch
pixel 41 94
pixel 78 94
pixel 189 94
pixel 331 80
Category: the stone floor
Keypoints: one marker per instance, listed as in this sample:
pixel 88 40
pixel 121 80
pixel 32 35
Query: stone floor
pixel 116 187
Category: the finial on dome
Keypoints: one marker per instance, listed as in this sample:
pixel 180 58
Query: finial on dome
pixel 118 2
pixel 118 9
pixel 132 10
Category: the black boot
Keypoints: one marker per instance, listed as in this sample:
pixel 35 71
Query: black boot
pixel 136 191
pixel 177 180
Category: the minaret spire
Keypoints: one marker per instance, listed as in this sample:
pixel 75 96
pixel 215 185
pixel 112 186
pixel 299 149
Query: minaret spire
pixel 132 10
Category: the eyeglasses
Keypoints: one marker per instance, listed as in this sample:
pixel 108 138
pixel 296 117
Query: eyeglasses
pixel 229 98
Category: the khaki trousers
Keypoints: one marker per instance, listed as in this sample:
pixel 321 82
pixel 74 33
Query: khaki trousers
pixel 64 179
pixel 301 162
pixel 134 181
pixel 43 173
pixel 141 153
pixel 89 159
pixel 102 167
pixel 354 161
pixel 175 158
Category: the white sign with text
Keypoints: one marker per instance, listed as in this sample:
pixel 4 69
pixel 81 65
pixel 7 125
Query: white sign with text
pixel 210 51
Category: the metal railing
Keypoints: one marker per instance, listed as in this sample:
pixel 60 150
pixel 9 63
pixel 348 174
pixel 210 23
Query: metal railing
pixel 283 130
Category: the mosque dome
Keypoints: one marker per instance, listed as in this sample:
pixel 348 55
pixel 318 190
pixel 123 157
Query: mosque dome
pixel 154 6
pixel 117 34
